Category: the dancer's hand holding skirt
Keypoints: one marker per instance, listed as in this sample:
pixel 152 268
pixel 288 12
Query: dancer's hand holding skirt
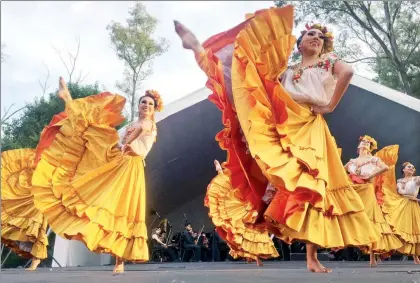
pixel 269 138
pixel 86 188
pixel 403 214
pixel 372 195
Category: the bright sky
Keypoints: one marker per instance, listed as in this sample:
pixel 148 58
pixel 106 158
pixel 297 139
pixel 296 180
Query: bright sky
pixel 31 29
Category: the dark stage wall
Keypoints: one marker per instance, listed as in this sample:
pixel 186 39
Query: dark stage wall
pixel 180 165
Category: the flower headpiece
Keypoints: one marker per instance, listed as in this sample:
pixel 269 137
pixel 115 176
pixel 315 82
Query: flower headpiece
pixel 373 143
pixel 406 163
pixel 158 99
pixel 329 37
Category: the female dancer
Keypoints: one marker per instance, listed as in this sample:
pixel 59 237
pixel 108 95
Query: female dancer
pixel 89 182
pixel 23 227
pixel 221 188
pixel 401 206
pixel 275 133
pixel 363 171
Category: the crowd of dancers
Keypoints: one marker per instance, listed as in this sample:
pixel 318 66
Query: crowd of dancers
pixel 283 175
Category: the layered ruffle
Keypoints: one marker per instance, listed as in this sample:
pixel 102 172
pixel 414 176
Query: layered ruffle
pixel 388 242
pixel 21 221
pixel 288 145
pixel 401 213
pixel 229 214
pixel 86 188
pixel 244 174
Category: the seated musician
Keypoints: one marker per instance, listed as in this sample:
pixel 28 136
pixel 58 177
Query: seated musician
pixel 204 243
pixel 158 240
pixel 189 241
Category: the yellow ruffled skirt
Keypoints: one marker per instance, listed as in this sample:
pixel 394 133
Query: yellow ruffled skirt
pixel 388 242
pixel 228 214
pixel 86 188
pixel 402 214
pixel 271 138
pixel 23 226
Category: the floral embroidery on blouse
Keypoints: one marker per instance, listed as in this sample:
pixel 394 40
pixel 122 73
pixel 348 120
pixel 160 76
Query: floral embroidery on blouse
pixel 325 62
pixel 373 160
pixel 129 131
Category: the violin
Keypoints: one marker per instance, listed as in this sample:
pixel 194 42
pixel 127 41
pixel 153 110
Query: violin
pixel 205 241
pixel 199 235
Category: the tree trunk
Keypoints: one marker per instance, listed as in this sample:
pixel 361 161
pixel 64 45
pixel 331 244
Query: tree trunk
pixel 395 51
pixel 404 78
pixel 133 98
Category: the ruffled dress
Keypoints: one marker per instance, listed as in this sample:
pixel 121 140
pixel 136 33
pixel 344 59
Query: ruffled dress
pixel 273 140
pixel 85 187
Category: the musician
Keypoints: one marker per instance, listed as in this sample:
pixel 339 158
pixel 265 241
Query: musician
pixel 158 240
pixel 204 243
pixel 189 241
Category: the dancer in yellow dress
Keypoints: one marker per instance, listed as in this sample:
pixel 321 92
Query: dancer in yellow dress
pixel 275 134
pixel 363 171
pixel 23 227
pixel 401 206
pixel 229 228
pixel 89 182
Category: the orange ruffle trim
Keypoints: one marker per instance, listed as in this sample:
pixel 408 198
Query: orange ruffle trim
pixel 84 185
pixel 402 214
pixel 21 221
pixel 230 214
pixel 388 242
pixel 315 201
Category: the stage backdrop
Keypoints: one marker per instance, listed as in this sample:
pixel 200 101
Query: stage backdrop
pixel 180 165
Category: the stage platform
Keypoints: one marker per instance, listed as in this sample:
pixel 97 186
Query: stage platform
pixel 221 272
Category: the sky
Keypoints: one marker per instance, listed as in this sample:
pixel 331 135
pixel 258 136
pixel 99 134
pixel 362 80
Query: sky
pixel 31 31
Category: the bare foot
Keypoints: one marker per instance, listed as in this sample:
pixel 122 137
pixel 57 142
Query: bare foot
pixel 119 266
pixel 315 266
pixel 416 260
pixel 189 41
pixel 373 262
pixel 259 262
pixel 34 264
pixel 63 91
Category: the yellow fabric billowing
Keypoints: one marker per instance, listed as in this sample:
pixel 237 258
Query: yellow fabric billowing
pixel 20 220
pixel 388 241
pixel 401 213
pixel 86 188
pixel 228 212
pixel 292 146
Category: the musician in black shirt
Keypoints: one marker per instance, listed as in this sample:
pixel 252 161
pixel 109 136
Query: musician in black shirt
pixel 189 237
pixel 158 241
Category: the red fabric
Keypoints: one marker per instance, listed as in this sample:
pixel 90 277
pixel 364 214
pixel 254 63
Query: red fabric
pixel 48 134
pixel 356 179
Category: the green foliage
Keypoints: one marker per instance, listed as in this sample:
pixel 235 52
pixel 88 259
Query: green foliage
pixel 24 131
pixel 382 35
pixel 135 46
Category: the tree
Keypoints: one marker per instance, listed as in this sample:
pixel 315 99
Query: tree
pixel 44 85
pixel 71 65
pixel 384 35
pixel 135 46
pixel 24 131
pixel 6 115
